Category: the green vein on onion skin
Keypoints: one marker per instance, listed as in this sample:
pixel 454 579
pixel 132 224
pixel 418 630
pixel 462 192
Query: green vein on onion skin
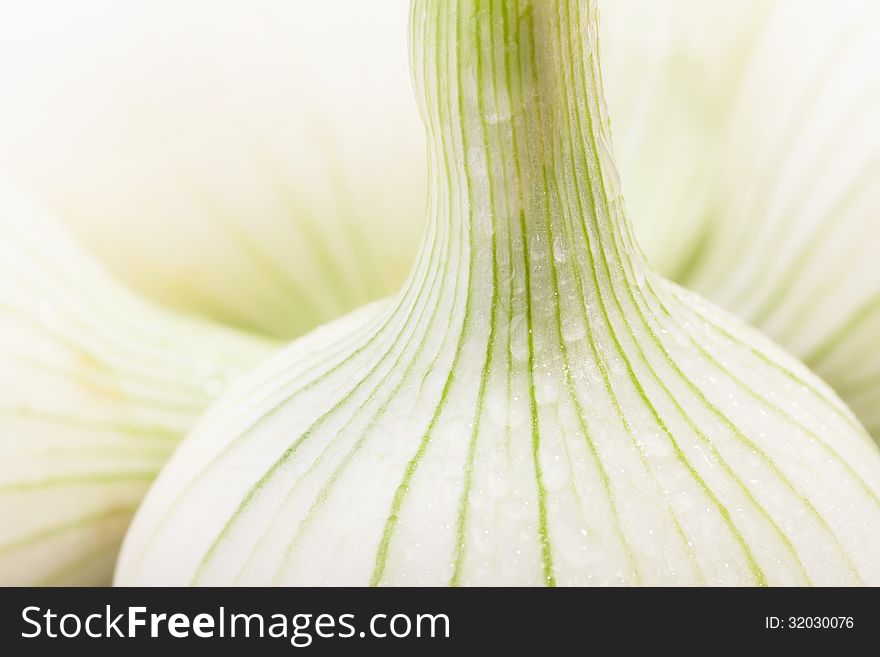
pixel 538 407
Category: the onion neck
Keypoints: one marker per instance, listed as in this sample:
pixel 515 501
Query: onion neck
pixel 521 170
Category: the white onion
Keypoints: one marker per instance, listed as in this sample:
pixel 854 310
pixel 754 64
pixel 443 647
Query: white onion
pixel 96 388
pixel 537 406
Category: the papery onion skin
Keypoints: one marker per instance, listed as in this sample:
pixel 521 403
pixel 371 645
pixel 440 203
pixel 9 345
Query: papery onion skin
pixel 96 389
pixel 537 407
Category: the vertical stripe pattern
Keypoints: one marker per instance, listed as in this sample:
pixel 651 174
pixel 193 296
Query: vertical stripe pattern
pixel 536 407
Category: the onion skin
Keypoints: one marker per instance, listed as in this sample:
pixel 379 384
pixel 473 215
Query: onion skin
pixel 537 406
pixel 96 389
